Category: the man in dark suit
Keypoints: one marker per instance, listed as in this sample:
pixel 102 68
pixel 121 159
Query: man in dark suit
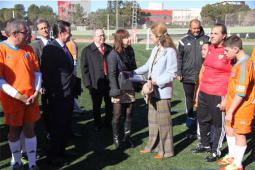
pixel 57 69
pixel 94 75
pixel 43 29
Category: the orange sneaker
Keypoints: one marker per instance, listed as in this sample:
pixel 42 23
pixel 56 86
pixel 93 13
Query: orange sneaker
pixel 226 160
pixel 144 151
pixel 158 156
pixel 231 167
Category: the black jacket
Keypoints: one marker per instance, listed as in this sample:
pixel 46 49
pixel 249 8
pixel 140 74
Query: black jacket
pixel 57 71
pixel 37 46
pixel 120 62
pixel 92 66
pixel 190 58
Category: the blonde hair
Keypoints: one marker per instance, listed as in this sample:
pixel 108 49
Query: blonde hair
pixel 166 41
pixel 160 31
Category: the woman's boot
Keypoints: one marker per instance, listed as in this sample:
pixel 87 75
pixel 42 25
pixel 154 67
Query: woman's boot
pixel 127 139
pixel 115 133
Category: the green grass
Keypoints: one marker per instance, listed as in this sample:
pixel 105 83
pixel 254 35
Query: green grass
pixel 95 150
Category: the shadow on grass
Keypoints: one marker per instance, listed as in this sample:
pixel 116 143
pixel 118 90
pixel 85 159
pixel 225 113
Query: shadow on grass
pixel 92 148
pixel 100 159
pixel 184 142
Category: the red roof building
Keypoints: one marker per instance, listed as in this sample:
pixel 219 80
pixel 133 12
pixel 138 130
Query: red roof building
pixel 64 10
pixel 159 15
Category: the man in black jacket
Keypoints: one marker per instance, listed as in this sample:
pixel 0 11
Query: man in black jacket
pixel 190 62
pixel 57 69
pixel 94 75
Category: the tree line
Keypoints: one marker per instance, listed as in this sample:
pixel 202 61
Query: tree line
pixel 219 12
pixel 30 16
pixel 210 14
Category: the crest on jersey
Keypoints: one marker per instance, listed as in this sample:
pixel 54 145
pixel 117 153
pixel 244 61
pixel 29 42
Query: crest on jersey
pixel 8 57
pixel 240 88
pixel 221 56
pixel 201 42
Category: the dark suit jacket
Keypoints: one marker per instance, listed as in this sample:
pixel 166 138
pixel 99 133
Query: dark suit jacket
pixel 57 71
pixel 92 66
pixel 37 46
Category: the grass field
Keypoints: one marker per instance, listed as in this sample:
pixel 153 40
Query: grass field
pixel 88 34
pixel 95 150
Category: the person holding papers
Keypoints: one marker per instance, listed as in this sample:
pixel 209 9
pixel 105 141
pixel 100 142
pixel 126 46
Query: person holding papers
pixel 161 68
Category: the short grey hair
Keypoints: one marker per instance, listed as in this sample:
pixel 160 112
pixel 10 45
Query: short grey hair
pixel 96 30
pixel 39 21
pixel 14 25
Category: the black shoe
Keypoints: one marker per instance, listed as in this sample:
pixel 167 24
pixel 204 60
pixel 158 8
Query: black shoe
pixel 128 142
pixel 212 157
pixel 201 149
pixel 117 142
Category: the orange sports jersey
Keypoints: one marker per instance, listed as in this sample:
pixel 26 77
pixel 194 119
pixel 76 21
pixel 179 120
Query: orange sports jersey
pixel 241 83
pixel 17 67
pixel 72 48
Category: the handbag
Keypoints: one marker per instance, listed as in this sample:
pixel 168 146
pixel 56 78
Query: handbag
pixel 147 91
pixel 123 78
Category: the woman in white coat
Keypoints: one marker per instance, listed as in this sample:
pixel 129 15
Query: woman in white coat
pixel 161 68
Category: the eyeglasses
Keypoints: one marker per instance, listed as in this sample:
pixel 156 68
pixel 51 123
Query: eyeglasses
pixel 25 33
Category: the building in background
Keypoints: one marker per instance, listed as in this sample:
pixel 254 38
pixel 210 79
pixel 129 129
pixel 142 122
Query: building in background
pixel 158 16
pixel 183 17
pixel 66 8
pixel 170 16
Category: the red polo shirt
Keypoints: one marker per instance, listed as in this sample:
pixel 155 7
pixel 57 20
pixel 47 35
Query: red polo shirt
pixel 217 72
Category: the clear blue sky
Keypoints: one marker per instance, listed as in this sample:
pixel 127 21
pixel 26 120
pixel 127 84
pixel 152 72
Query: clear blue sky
pixel 96 4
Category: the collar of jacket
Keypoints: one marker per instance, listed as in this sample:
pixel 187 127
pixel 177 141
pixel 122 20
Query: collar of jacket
pixel 94 47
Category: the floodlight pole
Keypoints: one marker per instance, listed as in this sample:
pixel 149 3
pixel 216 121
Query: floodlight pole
pixel 108 27
pixel 148 39
pixel 117 13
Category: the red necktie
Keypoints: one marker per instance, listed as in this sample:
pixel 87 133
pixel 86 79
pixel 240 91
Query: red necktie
pixel 101 48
